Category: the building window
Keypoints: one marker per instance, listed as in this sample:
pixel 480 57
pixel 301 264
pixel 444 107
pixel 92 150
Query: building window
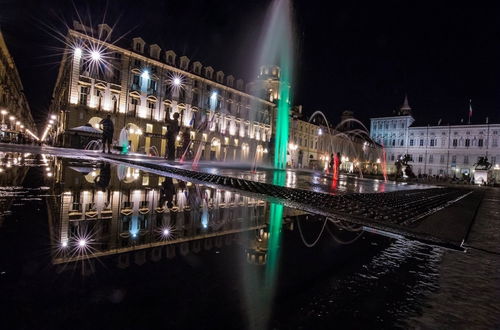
pixel 494 160
pixel 455 142
pixel 196 99
pixel 467 142
pixel 152 85
pixel 402 142
pixel 393 142
pixel 115 103
pixel 136 80
pixel 480 142
pixel 432 142
pixel 494 143
pixel 431 159
pixel 134 102
pixel 466 159
pixel 441 159
pixel 421 142
pixel 392 156
pixel 420 158
pixel 84 92
pixel 411 142
pixel 454 159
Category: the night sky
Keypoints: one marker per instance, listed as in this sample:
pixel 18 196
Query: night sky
pixel 353 56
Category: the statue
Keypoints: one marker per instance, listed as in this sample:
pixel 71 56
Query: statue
pixel 403 162
pixel 482 164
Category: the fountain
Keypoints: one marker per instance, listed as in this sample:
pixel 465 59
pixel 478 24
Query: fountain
pixel 276 47
pixel 93 145
pixel 341 138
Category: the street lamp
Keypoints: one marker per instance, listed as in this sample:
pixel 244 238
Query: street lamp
pixel 3 112
pixel 95 55
pixel 11 119
pixel 78 51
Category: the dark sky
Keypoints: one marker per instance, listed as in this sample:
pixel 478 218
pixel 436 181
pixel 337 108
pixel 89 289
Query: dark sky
pixel 351 56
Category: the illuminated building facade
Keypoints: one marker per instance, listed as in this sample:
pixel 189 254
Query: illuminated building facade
pixel 14 109
pixel 448 150
pixel 141 86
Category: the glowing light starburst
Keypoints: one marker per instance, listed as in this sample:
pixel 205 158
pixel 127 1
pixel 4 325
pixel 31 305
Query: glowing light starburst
pixel 176 82
pixel 167 232
pixel 85 41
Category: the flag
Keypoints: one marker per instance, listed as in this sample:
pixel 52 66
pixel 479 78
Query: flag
pixel 470 110
pixel 439 121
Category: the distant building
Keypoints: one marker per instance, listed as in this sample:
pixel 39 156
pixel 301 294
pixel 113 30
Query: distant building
pixel 14 109
pixel 448 150
pixel 141 87
pixel 311 144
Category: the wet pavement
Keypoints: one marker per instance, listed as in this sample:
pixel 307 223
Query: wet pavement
pixel 85 243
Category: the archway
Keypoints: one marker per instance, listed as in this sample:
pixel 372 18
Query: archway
pixel 259 154
pixel 245 149
pixel 130 134
pixel 94 121
pixel 215 149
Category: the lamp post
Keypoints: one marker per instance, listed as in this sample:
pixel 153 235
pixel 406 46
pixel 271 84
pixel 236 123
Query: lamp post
pixel 11 119
pixel 3 112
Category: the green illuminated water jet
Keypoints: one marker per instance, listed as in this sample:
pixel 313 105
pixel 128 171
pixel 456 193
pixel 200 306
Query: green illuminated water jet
pixel 276 49
pixel 282 116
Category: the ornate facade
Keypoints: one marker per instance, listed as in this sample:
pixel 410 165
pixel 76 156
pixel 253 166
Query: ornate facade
pixel 448 150
pixel 14 109
pixel 141 86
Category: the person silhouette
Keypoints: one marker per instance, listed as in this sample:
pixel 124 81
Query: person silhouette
pixel 104 177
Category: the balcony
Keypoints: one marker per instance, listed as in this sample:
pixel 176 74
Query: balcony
pixel 135 87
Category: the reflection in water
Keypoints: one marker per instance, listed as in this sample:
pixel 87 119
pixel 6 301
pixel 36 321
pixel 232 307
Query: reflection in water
pixel 222 247
pixel 101 214
pixel 13 170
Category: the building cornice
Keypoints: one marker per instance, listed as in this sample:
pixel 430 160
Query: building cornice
pixel 158 63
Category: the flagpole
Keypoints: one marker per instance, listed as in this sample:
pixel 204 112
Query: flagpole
pixel 470 110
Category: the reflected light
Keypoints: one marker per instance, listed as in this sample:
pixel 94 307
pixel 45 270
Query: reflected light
pixel 145 74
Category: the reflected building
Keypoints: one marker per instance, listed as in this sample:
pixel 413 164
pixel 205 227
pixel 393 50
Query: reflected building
pixel 98 211
pixel 13 171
